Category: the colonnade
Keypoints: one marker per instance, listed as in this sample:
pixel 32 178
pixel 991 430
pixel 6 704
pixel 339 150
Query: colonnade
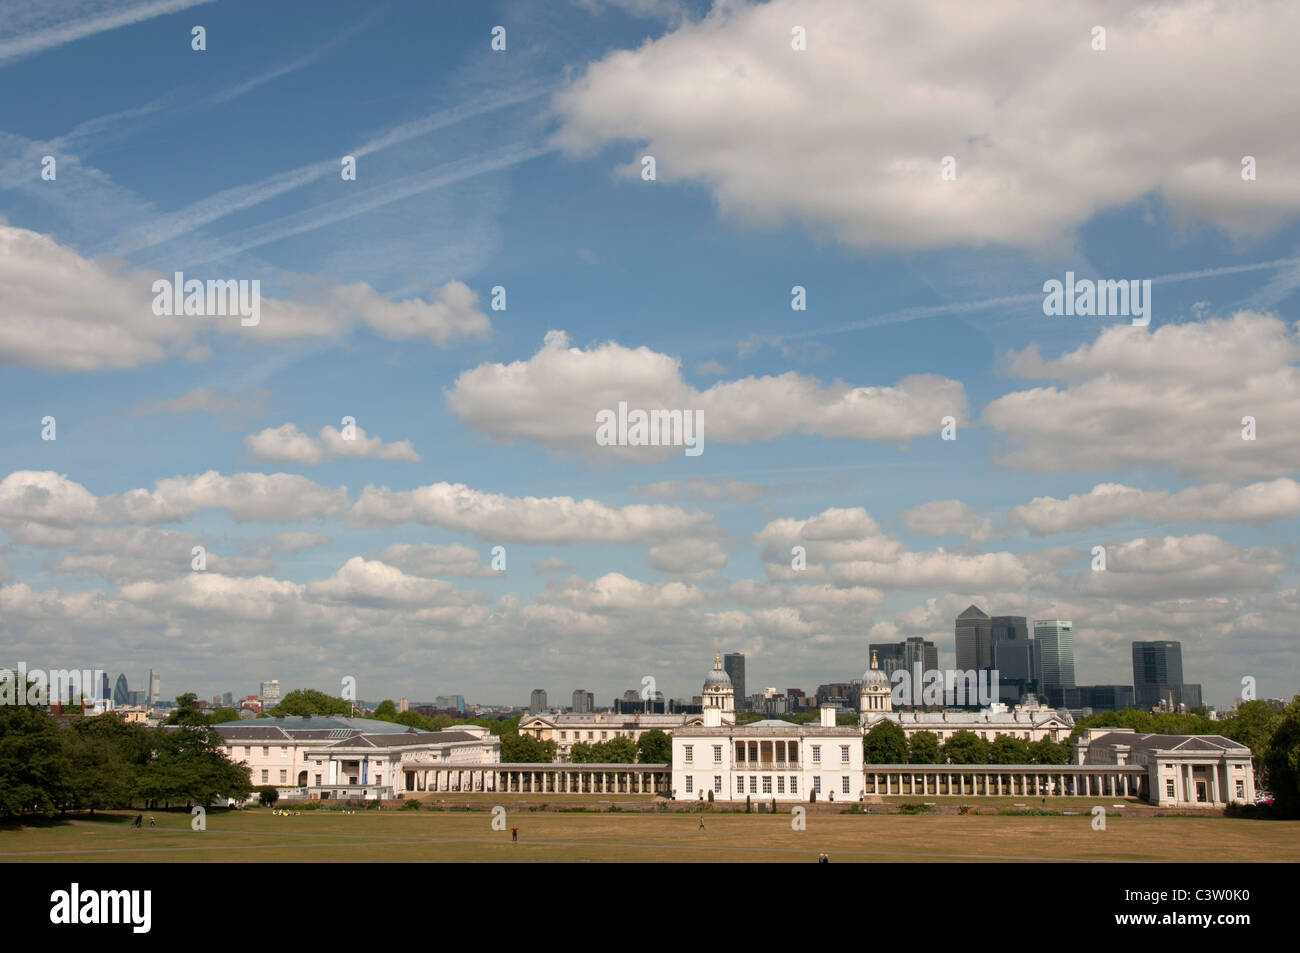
pixel 1005 780
pixel 541 779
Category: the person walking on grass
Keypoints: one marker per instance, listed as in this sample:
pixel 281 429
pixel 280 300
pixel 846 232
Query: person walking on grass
pixel 701 827
pixel 138 823
pixel 514 835
pixel 152 822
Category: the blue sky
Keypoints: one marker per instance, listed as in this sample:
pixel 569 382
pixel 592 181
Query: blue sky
pixel 520 169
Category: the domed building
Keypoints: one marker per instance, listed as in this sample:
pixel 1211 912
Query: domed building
pixel 719 694
pixel 876 695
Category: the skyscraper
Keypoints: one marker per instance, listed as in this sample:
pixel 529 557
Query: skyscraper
pixel 733 663
pixel 1015 656
pixel 270 693
pixel 105 693
pixel 537 701
pixel 583 701
pixel 974 640
pixel 155 687
pixel 1158 676
pixel 1055 638
pixel 121 691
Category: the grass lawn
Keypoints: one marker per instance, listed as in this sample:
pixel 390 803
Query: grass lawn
pixel 395 836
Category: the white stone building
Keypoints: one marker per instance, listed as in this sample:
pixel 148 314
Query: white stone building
pixel 1181 770
pixel 767 760
pixel 332 758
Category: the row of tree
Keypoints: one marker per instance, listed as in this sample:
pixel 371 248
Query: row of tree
pixel 50 765
pixel 887 743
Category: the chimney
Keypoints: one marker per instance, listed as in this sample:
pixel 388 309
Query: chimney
pixel 828 716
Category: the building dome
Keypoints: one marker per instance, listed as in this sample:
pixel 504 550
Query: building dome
pixel 877 694
pixel 874 677
pixel 718 679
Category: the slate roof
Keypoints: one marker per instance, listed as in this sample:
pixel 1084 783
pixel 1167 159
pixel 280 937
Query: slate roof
pixel 1156 742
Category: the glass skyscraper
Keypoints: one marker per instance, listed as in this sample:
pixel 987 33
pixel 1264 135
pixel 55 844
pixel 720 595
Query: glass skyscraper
pixel 1055 638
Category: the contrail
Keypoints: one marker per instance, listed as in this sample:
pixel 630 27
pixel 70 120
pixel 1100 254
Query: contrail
pixel 76 29
pixel 959 307
pixel 342 209
pixel 243 197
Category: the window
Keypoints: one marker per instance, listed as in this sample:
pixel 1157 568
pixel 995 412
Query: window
pixel 717 784
pixel 1241 789
pixel 740 785
pixel 817 754
pixel 284 776
pixel 689 784
pixel 563 736
pixel 817 785
pixel 284 752
pixel 1169 788
pixel 264 776
pixel 844 784
pixel 318 780
pixel 717 754
pixel 753 784
pixel 266 752
pixel 780 785
pixel 794 785
pixel 740 752
pixel 604 736
pixel 767 784
pixel 844 754
pixel 690 753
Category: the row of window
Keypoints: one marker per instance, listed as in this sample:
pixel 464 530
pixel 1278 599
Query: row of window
pixel 790 748
pixel 284 778
pixel 783 783
pixel 604 735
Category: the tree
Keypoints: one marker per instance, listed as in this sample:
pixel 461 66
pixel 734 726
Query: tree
pixel 923 748
pixel 187 711
pixel 885 743
pixel 966 747
pixel 1253 725
pixel 525 749
pixel 96 776
pixel 223 715
pixel 310 701
pixel 1047 751
pixel 614 751
pixel 654 747
pixel 267 795
pixel 33 761
pixel 1282 759
pixel 385 711
pixel 1008 750
pixel 189 765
